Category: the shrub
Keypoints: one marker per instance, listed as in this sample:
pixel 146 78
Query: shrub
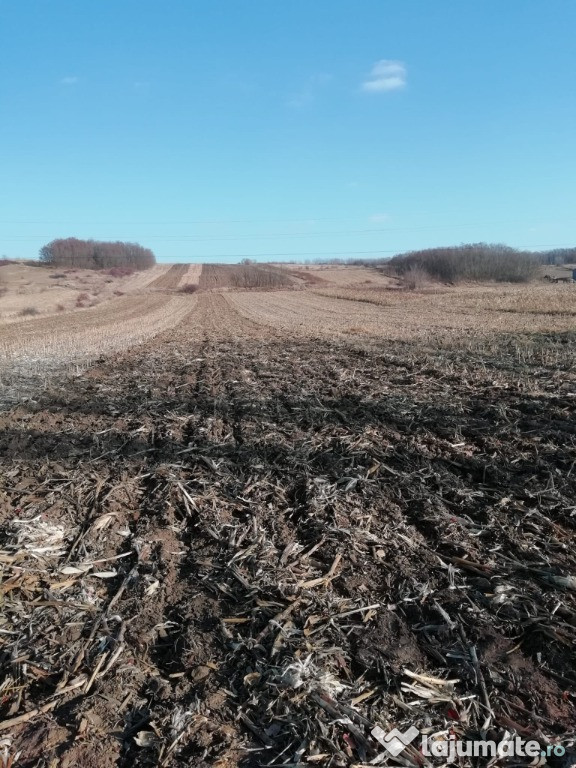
pixel 57 275
pixel 415 277
pixel 4 262
pixel 243 276
pixel 251 276
pixel 29 311
pixel 189 288
pixel 120 272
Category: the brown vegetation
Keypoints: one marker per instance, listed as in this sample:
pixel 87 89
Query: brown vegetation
pixel 439 315
pixel 93 254
pixel 308 276
pixel 339 274
pixel 228 564
pixel 476 261
pixel 263 522
pixel 558 256
pixel 243 276
pixel 120 272
pixel 23 285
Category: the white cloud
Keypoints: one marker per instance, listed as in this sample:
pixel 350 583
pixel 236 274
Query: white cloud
pixel 299 100
pixel 308 93
pixel 69 80
pixel 386 75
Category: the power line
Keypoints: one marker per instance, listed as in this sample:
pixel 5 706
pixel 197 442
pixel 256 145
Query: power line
pixel 332 253
pixel 223 222
pixel 304 220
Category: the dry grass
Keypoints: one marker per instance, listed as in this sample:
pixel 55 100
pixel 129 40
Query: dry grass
pixel 436 314
pixel 307 276
pixel 339 275
pixel 25 285
pixel 37 348
pixel 535 298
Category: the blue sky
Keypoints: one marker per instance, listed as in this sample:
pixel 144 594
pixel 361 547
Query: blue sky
pixel 215 129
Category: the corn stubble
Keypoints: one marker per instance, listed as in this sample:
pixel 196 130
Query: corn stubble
pixel 257 535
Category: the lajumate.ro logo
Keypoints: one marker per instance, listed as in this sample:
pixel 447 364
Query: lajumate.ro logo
pixel 445 745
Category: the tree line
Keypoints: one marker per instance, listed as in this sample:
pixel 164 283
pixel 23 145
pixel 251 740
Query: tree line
pixel 558 256
pixel 70 252
pixel 472 261
pixel 467 261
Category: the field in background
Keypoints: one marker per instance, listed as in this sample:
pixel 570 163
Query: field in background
pixel 99 312
pixel 219 276
pixel 437 315
pixel 32 290
pixel 251 523
pixel 29 291
pixel 328 274
pixel 33 351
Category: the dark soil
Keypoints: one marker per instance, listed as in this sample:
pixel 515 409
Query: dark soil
pixel 295 524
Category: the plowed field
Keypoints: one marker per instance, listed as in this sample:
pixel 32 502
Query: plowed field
pixel 278 521
pixel 171 278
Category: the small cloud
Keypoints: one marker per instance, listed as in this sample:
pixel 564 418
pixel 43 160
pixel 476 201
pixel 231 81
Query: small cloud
pixel 299 100
pixel 308 94
pixel 69 80
pixel 379 218
pixel 386 75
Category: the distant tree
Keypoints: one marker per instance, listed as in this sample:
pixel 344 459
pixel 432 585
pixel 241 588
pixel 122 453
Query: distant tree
pixel 558 256
pixel 470 261
pixel 71 252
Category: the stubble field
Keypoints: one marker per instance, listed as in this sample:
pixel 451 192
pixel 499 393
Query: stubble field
pixel 255 524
